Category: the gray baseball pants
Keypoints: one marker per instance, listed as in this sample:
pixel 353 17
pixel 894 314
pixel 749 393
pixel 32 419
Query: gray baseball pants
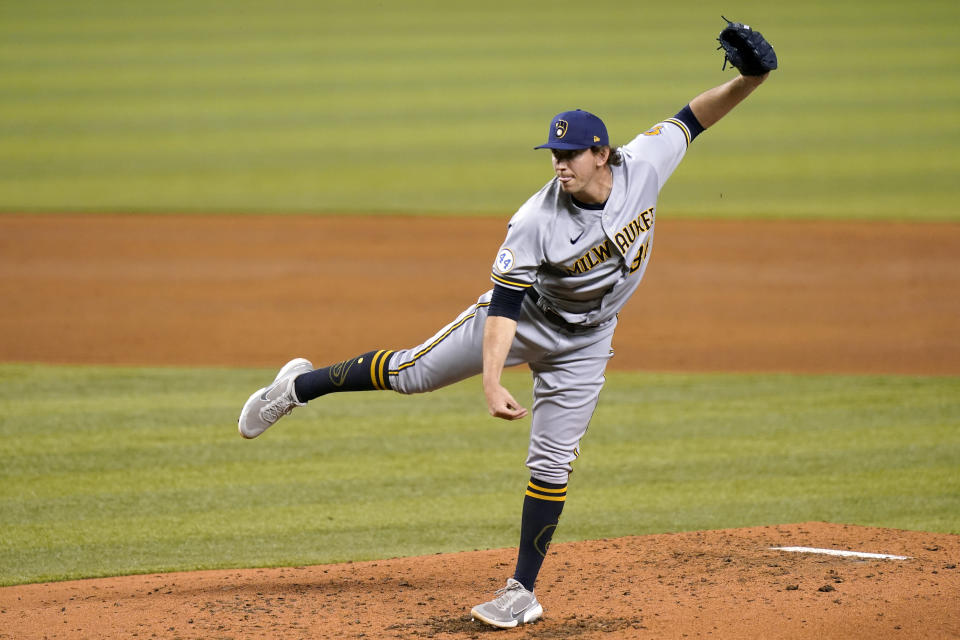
pixel 568 373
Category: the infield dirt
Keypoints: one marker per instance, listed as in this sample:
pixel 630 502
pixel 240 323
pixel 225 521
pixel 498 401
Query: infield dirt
pixel 239 291
pixel 719 296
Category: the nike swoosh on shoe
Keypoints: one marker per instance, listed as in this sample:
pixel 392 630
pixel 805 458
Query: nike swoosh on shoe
pixel 517 613
pixel 263 396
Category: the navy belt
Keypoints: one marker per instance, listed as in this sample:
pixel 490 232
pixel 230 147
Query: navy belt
pixel 555 318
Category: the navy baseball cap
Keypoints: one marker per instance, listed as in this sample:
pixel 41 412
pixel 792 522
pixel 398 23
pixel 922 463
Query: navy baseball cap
pixel 576 130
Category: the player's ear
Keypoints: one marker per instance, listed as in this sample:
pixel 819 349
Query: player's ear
pixel 601 155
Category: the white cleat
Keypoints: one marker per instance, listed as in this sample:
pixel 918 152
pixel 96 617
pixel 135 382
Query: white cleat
pixel 513 606
pixel 269 404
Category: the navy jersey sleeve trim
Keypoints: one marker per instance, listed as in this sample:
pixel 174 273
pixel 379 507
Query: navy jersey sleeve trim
pixel 688 123
pixel 506 302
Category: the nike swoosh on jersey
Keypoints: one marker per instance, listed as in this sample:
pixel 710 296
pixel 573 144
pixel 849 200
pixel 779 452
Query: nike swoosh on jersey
pixel 574 240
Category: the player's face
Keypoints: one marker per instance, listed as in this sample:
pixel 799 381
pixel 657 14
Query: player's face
pixel 582 173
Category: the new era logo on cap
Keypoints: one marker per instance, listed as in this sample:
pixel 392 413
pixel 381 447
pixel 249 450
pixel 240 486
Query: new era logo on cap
pixel 576 130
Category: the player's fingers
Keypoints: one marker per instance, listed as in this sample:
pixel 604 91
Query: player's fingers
pixel 502 404
pixel 512 410
pixel 510 415
pixel 507 412
pixel 520 413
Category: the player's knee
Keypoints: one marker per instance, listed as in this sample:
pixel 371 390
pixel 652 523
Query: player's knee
pixel 555 473
pixel 400 385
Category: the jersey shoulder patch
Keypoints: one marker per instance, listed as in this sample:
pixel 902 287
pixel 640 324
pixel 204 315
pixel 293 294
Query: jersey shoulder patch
pixel 505 261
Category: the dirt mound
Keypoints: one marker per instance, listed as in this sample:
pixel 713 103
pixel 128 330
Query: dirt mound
pixel 711 584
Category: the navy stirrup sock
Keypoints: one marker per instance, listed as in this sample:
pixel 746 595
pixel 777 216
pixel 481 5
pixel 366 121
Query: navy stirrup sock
pixel 542 505
pixel 366 372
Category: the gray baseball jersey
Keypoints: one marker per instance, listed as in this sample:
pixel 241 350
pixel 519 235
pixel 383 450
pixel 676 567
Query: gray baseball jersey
pixel 584 263
pixel 582 266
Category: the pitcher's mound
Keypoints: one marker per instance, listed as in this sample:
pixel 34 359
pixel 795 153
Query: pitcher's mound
pixel 726 584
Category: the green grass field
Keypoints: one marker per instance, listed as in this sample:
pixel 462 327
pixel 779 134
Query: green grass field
pixel 111 471
pixel 433 107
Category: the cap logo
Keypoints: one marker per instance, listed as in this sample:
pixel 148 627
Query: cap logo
pixel 561 128
pixel 596 138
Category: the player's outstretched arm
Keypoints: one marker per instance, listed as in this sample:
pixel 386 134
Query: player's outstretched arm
pixel 754 58
pixel 710 106
pixel 498 334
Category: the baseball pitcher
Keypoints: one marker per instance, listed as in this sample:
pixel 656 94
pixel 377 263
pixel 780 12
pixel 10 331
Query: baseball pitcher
pixel 573 255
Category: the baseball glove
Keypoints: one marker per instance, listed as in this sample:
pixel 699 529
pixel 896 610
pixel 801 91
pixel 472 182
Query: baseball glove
pixel 746 49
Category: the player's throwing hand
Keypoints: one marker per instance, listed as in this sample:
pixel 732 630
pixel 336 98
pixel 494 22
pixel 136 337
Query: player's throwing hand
pixel 502 405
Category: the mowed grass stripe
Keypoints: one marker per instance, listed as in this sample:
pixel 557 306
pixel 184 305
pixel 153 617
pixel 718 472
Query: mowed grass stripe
pixel 208 107
pixel 123 470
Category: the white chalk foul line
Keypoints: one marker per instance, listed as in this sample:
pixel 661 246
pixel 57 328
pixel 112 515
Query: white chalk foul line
pixel 840 552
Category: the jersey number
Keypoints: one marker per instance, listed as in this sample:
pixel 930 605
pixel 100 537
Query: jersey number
pixel 641 254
